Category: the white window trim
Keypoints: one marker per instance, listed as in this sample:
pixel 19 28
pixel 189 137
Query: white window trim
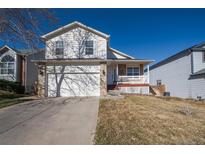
pixel 132 67
pixel 7 68
pixel 90 47
pixel 14 55
pixel 59 55
pixel 158 82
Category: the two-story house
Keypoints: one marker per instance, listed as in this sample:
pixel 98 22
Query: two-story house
pixel 80 62
pixel 183 74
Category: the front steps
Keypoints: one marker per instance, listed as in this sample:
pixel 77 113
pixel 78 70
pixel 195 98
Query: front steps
pixel 114 93
pixel 157 90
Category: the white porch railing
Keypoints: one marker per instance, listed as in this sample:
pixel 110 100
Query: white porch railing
pixel 141 79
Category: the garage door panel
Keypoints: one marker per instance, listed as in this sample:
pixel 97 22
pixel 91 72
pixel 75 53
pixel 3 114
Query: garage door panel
pixel 73 69
pixel 74 84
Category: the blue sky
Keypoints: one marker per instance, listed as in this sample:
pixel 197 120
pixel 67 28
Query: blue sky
pixel 142 33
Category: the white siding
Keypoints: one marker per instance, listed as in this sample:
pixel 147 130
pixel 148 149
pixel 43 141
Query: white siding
pixel 72 39
pixel 198 64
pixel 175 76
pixel 198 87
pixel 135 90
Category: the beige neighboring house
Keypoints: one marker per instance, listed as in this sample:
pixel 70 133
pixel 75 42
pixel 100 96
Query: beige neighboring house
pixel 80 62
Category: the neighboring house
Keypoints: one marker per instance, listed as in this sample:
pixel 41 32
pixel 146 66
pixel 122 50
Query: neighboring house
pixel 16 65
pixel 183 74
pixel 80 62
pixel 10 64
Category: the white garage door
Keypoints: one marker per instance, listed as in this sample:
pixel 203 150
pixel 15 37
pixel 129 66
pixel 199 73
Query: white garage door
pixel 74 84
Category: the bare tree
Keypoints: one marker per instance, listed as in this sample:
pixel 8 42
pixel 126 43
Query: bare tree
pixel 22 26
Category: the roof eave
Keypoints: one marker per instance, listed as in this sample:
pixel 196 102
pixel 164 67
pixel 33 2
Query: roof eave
pixel 121 53
pixel 46 36
pixel 92 61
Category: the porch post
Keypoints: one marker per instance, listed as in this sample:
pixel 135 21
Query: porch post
pixel 103 79
pixel 41 80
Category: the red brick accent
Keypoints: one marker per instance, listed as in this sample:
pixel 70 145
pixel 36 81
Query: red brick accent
pixel 114 86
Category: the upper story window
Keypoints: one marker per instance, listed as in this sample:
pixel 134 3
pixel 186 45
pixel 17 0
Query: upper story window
pixel 203 57
pixel 89 47
pixel 133 71
pixel 59 48
pixel 7 65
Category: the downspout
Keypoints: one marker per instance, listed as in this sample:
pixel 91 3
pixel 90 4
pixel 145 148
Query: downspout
pixel 192 71
pixel 148 77
pixel 25 73
pixel 148 74
pixel 192 65
pixel 117 73
pixel 21 70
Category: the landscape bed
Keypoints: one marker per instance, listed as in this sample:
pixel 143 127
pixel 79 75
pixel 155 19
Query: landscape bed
pixel 150 120
pixel 10 98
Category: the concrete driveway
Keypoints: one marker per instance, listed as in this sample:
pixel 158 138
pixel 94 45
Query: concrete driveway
pixel 50 121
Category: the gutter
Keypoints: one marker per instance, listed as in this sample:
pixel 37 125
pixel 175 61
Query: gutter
pixel 90 61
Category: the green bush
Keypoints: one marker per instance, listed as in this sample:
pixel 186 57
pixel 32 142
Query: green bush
pixel 9 95
pixel 11 86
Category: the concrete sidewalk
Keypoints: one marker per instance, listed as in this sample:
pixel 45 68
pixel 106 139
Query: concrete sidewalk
pixel 50 121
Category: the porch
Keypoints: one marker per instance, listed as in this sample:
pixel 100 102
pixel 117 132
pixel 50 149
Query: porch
pixel 138 79
pixel 129 73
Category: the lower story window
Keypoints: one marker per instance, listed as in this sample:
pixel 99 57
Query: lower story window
pixel 7 68
pixel 59 52
pixel 159 82
pixel 132 71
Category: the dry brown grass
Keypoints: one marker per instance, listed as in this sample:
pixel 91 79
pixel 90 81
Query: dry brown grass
pixel 151 120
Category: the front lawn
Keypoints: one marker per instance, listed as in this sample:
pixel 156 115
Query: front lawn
pixel 9 98
pixel 150 120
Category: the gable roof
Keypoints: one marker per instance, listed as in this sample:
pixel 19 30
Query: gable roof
pixel 6 46
pixel 121 53
pixel 21 52
pixel 71 25
pixel 178 55
pixel 78 24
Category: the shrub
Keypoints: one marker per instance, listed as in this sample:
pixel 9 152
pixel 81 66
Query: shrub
pixel 11 86
pixel 185 110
